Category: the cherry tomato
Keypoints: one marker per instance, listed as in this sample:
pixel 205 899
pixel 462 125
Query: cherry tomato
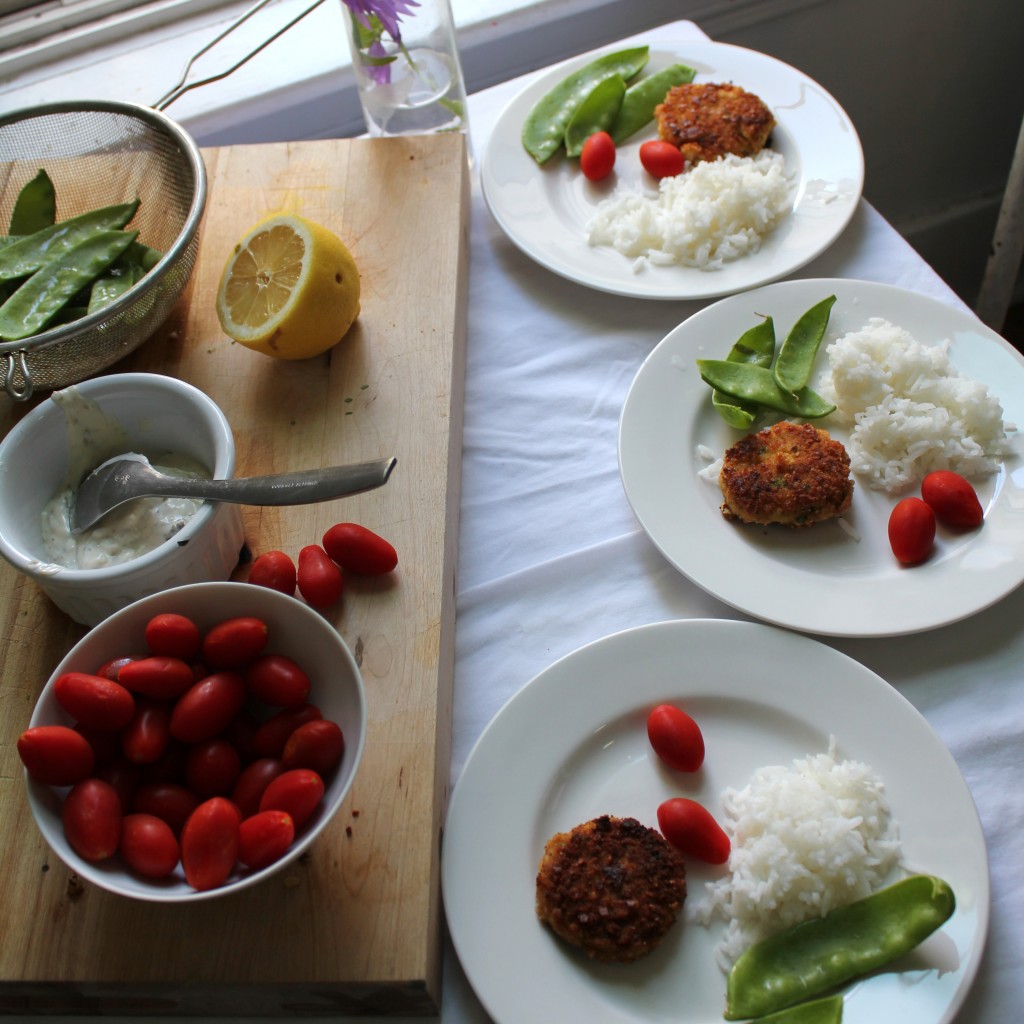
pixel 676 738
pixel 113 666
pixel 168 801
pixel 124 778
pixel 94 701
pixel 209 843
pixel 212 768
pixel 317 745
pixel 208 707
pixel 661 159
pixel 255 777
pixel 160 675
pixel 176 636
pixel 953 500
pixel 169 766
pixel 274 569
pixel 91 816
pixel 148 734
pixel 298 792
pixel 265 838
pixel 56 755
pixel 357 549
pixel 320 580
pixel 241 734
pixel 277 680
pixel 148 845
pixel 271 736
pixel 105 745
pixel 911 531
pixel 234 642
pixel 692 830
pixel 597 157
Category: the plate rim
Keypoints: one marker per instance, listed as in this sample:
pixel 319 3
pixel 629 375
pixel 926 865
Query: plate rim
pixel 629 286
pixel 548 677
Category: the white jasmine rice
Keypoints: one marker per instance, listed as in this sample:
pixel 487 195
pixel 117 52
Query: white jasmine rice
pixel 805 839
pixel 713 213
pixel 910 411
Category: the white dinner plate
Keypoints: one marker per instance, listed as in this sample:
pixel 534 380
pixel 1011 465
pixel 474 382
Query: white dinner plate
pixel 544 210
pixel 572 745
pixel 826 578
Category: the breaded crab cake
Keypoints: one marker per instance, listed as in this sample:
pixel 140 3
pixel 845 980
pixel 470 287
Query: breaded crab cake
pixel 706 121
pixel 791 474
pixel 611 887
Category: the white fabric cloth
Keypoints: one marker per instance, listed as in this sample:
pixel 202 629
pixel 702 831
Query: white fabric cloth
pixel 551 556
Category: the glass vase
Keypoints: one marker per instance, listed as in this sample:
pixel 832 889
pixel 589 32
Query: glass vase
pixel 410 83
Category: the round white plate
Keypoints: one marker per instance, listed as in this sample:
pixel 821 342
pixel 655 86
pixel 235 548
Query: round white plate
pixel 822 579
pixel 572 745
pixel 544 210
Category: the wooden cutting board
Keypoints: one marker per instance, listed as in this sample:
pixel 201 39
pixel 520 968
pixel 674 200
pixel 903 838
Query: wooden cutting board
pixel 355 925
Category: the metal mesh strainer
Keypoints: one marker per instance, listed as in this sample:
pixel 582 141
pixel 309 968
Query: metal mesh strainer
pixel 99 153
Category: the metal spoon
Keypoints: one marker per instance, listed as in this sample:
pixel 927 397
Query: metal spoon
pixel 131 476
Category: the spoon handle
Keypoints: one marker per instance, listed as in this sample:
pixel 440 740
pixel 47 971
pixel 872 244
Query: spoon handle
pixel 300 488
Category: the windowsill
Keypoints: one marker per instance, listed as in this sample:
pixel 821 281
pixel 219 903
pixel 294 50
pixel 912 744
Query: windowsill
pixel 300 87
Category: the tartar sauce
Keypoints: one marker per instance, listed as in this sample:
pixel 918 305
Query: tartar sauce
pixel 131 529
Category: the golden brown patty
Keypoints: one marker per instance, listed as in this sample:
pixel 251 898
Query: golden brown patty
pixel 611 886
pixel 792 474
pixel 706 121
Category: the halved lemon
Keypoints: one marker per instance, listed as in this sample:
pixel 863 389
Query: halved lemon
pixel 290 288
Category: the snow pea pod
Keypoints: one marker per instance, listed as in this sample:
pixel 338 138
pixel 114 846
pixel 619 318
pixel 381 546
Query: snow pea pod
pixel 594 114
pixel 756 385
pixel 638 104
pixel 756 347
pixel 800 349
pixel 819 1011
pixel 53 286
pixel 127 270
pixel 28 254
pixel 544 128
pixel 825 952
pixel 36 206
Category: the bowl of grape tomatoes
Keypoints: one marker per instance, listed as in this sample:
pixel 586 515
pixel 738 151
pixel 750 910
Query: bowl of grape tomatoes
pixel 195 742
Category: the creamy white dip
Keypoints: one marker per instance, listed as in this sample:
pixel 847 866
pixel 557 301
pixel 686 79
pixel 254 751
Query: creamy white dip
pixel 131 529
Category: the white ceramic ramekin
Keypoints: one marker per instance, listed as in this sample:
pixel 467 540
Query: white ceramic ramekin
pixel 159 414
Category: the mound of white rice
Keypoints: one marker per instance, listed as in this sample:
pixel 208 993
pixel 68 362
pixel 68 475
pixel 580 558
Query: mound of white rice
pixel 911 412
pixel 805 839
pixel 715 212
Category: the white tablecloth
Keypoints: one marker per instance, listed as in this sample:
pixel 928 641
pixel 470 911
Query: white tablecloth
pixel 551 556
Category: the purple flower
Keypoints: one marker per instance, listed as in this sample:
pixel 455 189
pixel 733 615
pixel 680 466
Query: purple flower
pixel 388 12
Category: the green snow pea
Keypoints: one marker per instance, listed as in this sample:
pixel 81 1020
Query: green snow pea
pixel 127 270
pixel 638 104
pixel 756 347
pixel 544 128
pixel 799 350
pixel 28 254
pixel 36 206
pixel 819 1011
pixel 756 385
pixel 825 952
pixel 52 287
pixel 594 114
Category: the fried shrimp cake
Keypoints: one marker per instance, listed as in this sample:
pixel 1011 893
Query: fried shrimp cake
pixel 791 474
pixel 612 887
pixel 706 121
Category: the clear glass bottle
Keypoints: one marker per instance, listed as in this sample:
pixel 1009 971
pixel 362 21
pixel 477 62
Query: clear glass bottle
pixel 410 83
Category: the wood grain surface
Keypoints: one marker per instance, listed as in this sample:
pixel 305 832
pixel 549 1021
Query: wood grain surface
pixel 354 926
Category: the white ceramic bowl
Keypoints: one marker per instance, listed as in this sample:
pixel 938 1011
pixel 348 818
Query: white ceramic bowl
pixel 159 415
pixel 295 630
